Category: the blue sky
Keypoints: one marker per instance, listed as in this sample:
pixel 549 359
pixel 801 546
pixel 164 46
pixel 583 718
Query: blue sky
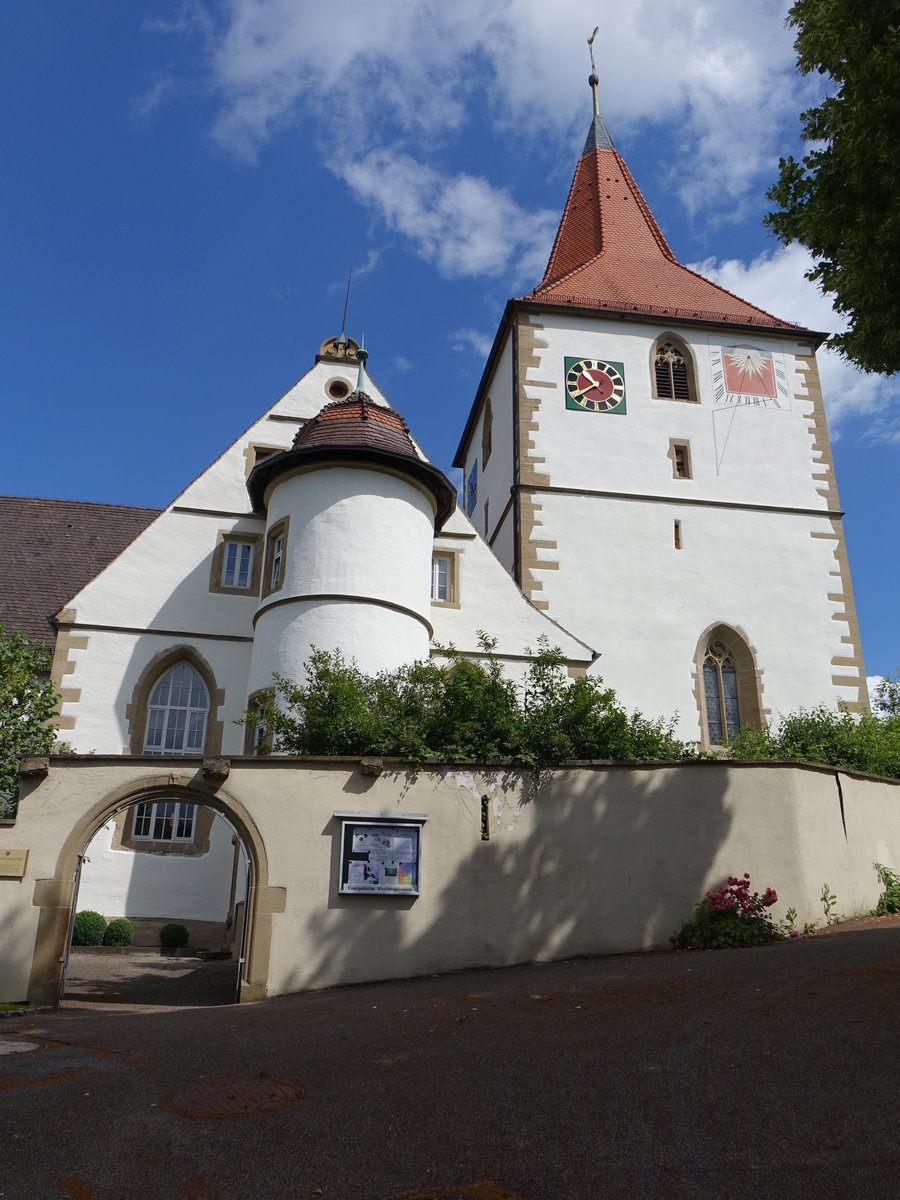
pixel 186 185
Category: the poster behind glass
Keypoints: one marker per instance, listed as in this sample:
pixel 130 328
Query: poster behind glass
pixel 380 858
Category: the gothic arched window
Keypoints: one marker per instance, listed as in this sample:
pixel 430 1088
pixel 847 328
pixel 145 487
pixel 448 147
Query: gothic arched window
pixel 720 689
pixel 177 712
pixel 673 370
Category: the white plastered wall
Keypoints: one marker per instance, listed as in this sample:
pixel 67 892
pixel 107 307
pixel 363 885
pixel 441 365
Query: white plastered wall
pixel 495 479
pixel 489 601
pixel 754 554
pixel 588 861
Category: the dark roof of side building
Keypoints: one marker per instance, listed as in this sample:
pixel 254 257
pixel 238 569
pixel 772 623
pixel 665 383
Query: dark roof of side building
pixel 49 550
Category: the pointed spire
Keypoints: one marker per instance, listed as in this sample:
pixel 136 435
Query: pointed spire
pixel 609 252
pixel 598 135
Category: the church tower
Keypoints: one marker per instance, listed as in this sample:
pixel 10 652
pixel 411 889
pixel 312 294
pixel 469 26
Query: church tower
pixel 648 456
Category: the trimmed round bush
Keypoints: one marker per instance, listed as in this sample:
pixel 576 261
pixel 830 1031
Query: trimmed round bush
pixel 119 932
pixel 173 935
pixel 88 928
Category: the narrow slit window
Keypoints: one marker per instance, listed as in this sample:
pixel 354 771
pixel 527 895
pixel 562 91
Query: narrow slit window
pixel 277 554
pixel 677 534
pixel 681 460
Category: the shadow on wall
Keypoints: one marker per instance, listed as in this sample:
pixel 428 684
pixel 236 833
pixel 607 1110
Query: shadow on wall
pixel 579 863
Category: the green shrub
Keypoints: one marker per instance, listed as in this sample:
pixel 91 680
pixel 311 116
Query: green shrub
pixel 173 935
pixel 119 932
pixel 857 742
pixel 462 709
pixel 730 915
pixel 88 928
pixel 889 901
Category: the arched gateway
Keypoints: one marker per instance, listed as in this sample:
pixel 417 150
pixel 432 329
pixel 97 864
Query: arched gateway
pixel 55 896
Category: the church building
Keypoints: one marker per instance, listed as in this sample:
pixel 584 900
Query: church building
pixel 647 455
pixel 647 484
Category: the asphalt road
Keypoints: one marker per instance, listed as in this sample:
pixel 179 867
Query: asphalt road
pixel 768 1072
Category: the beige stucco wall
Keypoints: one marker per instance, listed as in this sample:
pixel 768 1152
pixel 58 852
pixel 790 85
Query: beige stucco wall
pixel 583 861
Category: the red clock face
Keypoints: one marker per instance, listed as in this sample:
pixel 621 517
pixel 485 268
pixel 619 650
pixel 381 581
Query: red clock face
pixel 594 385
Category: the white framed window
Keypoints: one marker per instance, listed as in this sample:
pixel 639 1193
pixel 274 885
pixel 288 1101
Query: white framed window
pixel 164 821
pixel 276 547
pixel 277 556
pixel 177 712
pixel 237 565
pixel 257 733
pixel 441 578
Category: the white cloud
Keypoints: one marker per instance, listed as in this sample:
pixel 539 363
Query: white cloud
pixel 399 68
pixel 470 340
pixel 402 364
pixel 462 224
pixel 387 83
pixel 775 281
pixel 163 87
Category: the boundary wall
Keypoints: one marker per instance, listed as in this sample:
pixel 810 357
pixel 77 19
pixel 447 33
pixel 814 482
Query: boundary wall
pixel 584 860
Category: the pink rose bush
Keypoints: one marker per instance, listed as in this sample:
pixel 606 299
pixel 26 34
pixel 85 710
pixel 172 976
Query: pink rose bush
pixel 730 915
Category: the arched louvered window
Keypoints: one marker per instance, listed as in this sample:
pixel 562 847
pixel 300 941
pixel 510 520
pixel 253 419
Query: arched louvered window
pixel 177 712
pixel 673 371
pixel 720 687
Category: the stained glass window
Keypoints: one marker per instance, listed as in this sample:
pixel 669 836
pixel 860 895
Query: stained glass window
pixel 721 692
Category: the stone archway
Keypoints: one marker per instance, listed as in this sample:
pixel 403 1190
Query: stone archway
pixel 55 896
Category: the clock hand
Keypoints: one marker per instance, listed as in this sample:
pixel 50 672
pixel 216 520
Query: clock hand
pixel 590 387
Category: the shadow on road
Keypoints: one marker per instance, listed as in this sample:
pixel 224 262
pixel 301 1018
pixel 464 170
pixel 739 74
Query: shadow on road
pixel 148 980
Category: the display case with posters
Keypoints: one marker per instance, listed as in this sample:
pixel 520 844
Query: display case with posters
pixel 380 854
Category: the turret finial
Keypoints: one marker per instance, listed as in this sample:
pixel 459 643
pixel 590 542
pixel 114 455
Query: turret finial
pixel 594 78
pixel 362 354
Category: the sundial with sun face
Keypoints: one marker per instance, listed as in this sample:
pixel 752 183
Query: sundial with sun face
pixel 745 374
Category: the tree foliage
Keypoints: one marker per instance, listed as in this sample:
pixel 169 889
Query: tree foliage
pixel 462 709
pixel 840 201
pixel 27 705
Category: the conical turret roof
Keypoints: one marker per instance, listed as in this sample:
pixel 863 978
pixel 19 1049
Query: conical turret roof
pixel 609 252
pixel 355 430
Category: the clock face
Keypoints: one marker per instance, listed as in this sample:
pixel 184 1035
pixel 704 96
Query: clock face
pixel 594 385
pixel 744 374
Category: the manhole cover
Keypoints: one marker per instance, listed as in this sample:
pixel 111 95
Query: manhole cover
pixel 238 1097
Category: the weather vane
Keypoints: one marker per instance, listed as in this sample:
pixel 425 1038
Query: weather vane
pixel 594 78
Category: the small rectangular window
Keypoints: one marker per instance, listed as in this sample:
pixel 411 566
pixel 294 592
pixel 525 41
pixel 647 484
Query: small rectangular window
pixel 277 552
pixel 445 578
pixel 440 577
pixel 677 535
pixel 276 547
pixel 257 731
pixel 164 821
pixel 237 565
pixel 680 453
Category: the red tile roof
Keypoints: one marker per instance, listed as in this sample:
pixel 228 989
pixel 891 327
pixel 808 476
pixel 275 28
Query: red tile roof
pixel 610 253
pixel 357 421
pixel 49 549
pixel 355 430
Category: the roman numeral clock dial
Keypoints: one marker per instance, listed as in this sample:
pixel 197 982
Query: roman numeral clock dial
pixel 594 385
